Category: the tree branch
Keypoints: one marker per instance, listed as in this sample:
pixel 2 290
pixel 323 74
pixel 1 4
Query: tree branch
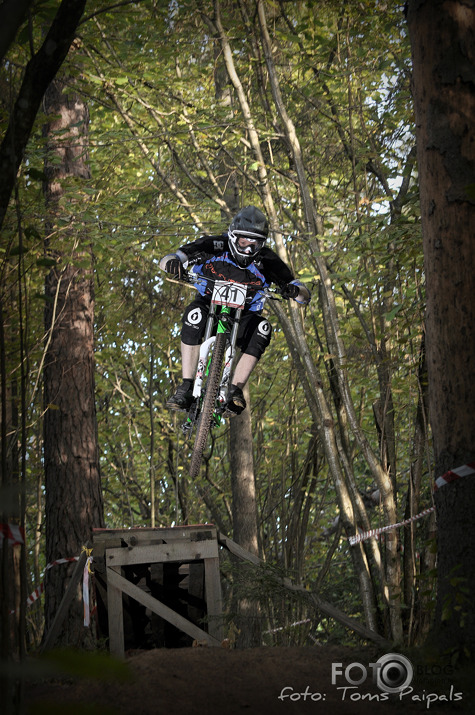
pixel 12 15
pixel 40 71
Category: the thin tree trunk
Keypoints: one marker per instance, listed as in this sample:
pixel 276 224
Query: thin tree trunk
pixel 312 380
pixel 243 485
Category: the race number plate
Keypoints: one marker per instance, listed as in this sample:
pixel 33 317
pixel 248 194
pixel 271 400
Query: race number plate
pixel 231 294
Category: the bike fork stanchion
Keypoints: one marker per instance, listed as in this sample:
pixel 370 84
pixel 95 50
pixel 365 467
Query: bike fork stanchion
pixel 200 371
pixel 229 358
pixel 208 407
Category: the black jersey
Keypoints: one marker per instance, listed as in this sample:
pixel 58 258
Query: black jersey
pixel 213 259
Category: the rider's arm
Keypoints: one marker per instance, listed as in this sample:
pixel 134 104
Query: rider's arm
pixel 278 272
pixel 203 246
pixel 206 245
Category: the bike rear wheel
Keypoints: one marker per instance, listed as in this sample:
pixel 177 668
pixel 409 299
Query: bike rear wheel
pixel 209 404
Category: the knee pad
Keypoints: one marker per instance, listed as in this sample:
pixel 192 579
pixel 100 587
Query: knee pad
pixel 193 323
pixel 259 338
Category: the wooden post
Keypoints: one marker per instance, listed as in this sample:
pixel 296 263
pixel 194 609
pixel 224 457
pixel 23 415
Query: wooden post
pixel 213 597
pixel 115 615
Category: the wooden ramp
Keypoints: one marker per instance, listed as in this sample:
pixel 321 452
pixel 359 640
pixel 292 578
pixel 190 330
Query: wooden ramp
pixel 158 587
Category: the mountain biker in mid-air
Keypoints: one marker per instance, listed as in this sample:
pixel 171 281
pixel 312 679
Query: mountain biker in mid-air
pixel 238 255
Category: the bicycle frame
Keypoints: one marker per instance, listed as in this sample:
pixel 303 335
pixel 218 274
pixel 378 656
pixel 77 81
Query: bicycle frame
pixel 227 303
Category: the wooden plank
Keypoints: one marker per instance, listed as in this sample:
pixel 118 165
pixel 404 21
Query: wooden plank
pixel 237 550
pixel 115 615
pixel 318 602
pixel 70 592
pixel 174 551
pixel 350 623
pixel 114 579
pixel 189 533
pixel 149 535
pixel 214 605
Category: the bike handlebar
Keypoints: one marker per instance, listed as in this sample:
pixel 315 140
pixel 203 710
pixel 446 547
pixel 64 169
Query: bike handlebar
pixel 190 278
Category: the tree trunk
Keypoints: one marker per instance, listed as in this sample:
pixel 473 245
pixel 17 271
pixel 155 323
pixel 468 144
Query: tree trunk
pixel 443 48
pixel 73 489
pixel 244 513
pixel 243 485
pixel 10 510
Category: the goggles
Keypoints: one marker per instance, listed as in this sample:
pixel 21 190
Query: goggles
pixel 247 243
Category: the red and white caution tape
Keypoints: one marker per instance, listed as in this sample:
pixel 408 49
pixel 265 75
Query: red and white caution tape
pixel 85 584
pixel 291 625
pixel 375 532
pixel 14 533
pixel 36 594
pixel 466 470
pixel 85 597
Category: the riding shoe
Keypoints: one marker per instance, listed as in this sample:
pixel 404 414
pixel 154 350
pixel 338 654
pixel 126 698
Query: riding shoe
pixel 182 398
pixel 235 403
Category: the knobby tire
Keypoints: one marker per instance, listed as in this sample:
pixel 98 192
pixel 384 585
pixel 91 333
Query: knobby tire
pixel 209 404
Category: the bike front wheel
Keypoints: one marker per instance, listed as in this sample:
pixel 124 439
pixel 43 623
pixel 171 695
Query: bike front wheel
pixel 209 404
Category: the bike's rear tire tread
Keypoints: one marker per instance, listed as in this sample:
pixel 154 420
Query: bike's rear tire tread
pixel 209 404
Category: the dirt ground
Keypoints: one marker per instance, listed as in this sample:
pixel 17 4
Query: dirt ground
pixel 212 681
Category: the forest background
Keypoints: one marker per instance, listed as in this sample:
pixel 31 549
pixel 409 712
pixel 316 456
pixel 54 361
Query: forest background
pixel 164 119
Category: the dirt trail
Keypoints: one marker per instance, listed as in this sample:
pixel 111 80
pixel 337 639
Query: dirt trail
pixel 212 681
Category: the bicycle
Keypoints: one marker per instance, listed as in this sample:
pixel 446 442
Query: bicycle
pixel 212 380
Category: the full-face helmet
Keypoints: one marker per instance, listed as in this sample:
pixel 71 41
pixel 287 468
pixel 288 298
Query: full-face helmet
pixel 247 235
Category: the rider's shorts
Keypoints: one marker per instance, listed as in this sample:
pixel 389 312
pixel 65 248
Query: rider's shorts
pixel 254 331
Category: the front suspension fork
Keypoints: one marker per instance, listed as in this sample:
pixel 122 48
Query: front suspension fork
pixel 205 348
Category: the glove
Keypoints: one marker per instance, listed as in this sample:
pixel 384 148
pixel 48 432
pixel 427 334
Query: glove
pixel 290 291
pixel 175 267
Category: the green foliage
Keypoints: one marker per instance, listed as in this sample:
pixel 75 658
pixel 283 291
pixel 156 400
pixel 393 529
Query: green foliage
pixel 167 140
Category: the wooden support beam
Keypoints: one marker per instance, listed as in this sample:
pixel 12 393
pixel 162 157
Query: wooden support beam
pixel 237 550
pixel 173 551
pixel 115 617
pixel 327 608
pixel 121 584
pixel 214 606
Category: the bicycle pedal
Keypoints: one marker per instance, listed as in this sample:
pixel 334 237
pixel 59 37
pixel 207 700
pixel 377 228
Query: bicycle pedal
pixel 187 427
